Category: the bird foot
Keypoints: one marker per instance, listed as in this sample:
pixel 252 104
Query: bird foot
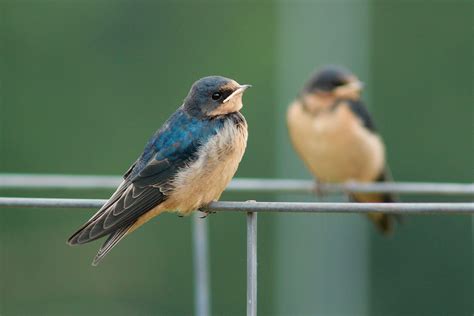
pixel 318 189
pixel 346 188
pixel 205 212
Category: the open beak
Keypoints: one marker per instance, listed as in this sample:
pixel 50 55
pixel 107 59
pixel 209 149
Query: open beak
pixel 238 91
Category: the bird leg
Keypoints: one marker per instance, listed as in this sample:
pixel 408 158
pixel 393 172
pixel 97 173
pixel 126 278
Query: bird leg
pixel 318 190
pixel 346 189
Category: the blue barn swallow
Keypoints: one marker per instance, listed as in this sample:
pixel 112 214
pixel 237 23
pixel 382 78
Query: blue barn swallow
pixel 334 134
pixel 185 165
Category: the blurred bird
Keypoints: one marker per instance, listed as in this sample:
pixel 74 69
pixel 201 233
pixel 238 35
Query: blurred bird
pixel 333 133
pixel 185 165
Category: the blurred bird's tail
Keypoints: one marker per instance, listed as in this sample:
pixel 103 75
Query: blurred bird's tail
pixel 384 222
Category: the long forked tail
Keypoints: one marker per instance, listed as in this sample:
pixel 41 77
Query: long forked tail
pixel 110 243
pixel 120 233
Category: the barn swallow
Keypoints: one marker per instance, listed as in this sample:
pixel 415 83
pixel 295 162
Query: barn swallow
pixel 334 134
pixel 185 165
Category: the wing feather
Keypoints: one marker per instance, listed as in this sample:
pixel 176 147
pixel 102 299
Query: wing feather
pixel 170 149
pixel 360 110
pixel 113 239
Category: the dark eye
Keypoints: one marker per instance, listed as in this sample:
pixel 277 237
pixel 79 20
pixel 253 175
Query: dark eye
pixel 216 96
pixel 338 83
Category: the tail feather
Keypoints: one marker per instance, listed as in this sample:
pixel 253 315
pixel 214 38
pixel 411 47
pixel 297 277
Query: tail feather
pixel 110 243
pixel 383 221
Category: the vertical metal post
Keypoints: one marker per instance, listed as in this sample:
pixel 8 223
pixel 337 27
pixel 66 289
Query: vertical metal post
pixel 251 264
pixel 202 306
pixel 327 232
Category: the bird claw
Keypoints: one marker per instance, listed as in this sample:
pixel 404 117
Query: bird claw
pixel 318 190
pixel 346 187
pixel 205 213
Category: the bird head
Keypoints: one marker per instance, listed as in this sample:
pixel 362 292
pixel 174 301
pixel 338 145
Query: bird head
pixel 334 80
pixel 214 96
pixel 329 84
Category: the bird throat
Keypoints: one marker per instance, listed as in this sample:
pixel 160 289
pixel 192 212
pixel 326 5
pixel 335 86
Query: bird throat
pixel 232 106
pixel 314 104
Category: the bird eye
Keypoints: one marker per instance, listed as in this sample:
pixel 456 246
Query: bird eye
pixel 338 83
pixel 216 96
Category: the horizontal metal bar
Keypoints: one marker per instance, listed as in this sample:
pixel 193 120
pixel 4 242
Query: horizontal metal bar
pixel 329 207
pixel 50 203
pixel 26 181
pixel 50 181
pixel 251 206
pixel 309 186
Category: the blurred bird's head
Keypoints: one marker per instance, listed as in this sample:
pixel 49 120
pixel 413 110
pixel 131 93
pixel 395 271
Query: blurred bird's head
pixel 331 83
pixel 214 96
pixel 334 80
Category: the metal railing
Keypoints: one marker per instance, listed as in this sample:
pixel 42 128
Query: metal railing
pixel 31 181
pixel 253 206
pixel 200 230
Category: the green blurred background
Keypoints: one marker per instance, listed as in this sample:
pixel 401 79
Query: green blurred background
pixel 83 84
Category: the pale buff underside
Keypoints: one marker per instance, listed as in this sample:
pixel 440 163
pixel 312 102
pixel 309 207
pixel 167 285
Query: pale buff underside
pixel 335 146
pixel 204 180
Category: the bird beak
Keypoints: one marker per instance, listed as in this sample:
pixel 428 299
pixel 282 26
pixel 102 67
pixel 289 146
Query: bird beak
pixel 238 91
pixel 355 85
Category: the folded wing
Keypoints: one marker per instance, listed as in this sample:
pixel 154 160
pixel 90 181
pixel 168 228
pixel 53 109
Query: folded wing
pixel 146 182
